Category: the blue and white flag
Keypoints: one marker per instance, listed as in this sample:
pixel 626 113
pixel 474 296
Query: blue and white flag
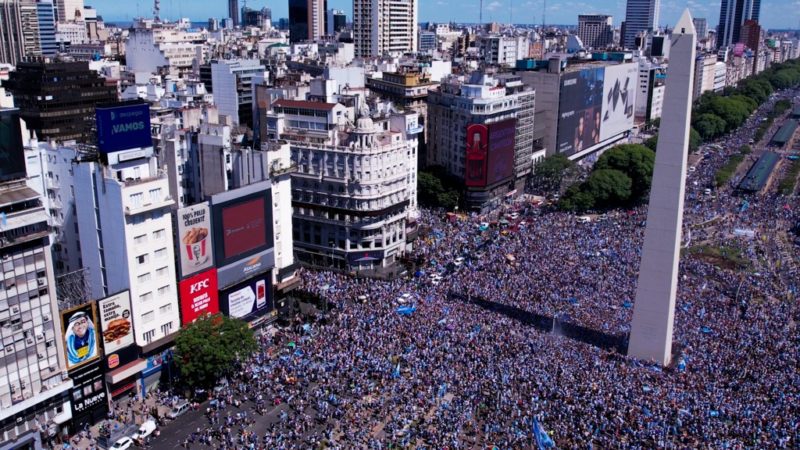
pixel 543 441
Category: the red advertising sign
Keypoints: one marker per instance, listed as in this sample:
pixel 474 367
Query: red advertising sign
pixel 199 295
pixel 244 227
pixel 477 149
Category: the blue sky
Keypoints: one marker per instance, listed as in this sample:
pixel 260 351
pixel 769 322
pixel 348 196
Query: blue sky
pixel 774 13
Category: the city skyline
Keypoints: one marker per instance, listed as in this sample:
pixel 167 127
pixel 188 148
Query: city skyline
pixel 773 15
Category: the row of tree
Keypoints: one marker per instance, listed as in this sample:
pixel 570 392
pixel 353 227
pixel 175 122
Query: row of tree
pixel 715 115
pixel 620 177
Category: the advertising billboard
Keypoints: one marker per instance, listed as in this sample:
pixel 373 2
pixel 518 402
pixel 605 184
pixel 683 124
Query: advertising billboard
pixel 79 330
pixel 579 110
pixel 501 151
pixel 242 223
pixel 619 99
pixel 477 155
pixel 116 321
pixel 199 295
pixel 12 154
pixel 249 299
pixel 194 239
pixel 245 268
pixel 123 127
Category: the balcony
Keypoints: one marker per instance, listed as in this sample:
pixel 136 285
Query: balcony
pixel 166 202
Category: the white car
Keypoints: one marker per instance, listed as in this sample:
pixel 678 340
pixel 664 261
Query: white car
pixel 122 444
pixel 145 430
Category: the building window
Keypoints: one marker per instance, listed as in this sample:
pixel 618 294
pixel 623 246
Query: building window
pixel 144 278
pixel 163 290
pixel 165 309
pixel 142 259
pixel 161 271
pixel 148 316
pixel 141 239
pixel 161 253
pixel 148 336
pixel 159 234
pixel 166 328
pixel 155 195
pixel 146 297
pixel 136 199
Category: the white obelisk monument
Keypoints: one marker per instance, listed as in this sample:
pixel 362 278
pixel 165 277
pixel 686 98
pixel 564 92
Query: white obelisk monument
pixel 654 310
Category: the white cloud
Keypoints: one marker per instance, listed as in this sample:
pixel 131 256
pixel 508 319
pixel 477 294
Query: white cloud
pixel 493 5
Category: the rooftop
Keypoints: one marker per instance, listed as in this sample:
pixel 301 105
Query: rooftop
pixel 304 104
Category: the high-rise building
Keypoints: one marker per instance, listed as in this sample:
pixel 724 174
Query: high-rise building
pixel 69 10
pixel 151 46
pixel 306 20
pixel 47 27
pixel 260 18
pixel 354 191
pixel 336 21
pixel 732 15
pixel 751 34
pixel 34 393
pixel 11 39
pixel 233 11
pixel 595 30
pixel 57 100
pixel 641 16
pixel 481 130
pixel 385 27
pixel 232 81
pixel 701 27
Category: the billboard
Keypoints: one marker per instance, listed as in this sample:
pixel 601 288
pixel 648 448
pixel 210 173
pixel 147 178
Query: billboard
pixel 477 154
pixel 245 268
pixel 242 223
pixel 579 110
pixel 12 153
pixel 501 151
pixel 194 239
pixel 619 99
pixel 79 330
pixel 123 127
pixel 249 299
pixel 199 295
pixel 116 321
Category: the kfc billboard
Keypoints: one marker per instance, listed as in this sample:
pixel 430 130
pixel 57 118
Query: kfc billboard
pixel 79 330
pixel 115 320
pixel 195 242
pixel 199 296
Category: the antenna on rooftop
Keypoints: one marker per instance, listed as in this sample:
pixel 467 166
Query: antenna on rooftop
pixel 544 13
pixel 157 10
pixel 480 15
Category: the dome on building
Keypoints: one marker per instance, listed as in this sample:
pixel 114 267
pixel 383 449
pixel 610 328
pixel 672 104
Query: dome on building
pixel 364 124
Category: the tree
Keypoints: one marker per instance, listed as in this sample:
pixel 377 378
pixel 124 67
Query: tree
pixel 652 142
pixel 634 160
pixel 576 200
pixel 208 348
pixel 694 140
pixel 549 174
pixel 429 189
pixel 608 187
pixel 710 126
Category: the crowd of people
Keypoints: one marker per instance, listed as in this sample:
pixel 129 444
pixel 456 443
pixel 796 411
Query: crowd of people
pixel 407 364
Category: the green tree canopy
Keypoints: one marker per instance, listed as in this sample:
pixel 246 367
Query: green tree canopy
pixel 207 349
pixel 710 126
pixel 634 160
pixel 608 187
pixel 549 174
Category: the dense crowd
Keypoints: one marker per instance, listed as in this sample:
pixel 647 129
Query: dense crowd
pixel 450 374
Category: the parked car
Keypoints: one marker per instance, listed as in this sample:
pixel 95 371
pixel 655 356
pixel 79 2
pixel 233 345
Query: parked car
pixel 179 410
pixel 122 444
pixel 145 430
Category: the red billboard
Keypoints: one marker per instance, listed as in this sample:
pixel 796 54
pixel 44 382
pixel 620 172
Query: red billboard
pixel 477 149
pixel 501 151
pixel 244 227
pixel 199 295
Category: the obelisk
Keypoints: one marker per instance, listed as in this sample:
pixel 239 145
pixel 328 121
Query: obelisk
pixel 654 310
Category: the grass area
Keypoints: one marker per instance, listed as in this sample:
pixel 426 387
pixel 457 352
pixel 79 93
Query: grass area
pixel 788 183
pixel 723 257
pixel 725 172
pixel 780 107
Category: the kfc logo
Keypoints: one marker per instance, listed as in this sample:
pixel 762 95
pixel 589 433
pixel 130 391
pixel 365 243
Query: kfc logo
pixel 199 296
pixel 196 287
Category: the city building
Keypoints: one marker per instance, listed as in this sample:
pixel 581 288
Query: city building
pixel 152 47
pixel 69 10
pixel 34 389
pixel 11 38
pixel 596 31
pixel 701 27
pixel 641 17
pixel 257 18
pixel 750 34
pixel 354 189
pixel 47 28
pixel 336 21
pixel 306 20
pixel 480 129
pixel 732 15
pixel 233 12
pixel 583 106
pixel 385 27
pixel 705 70
pixel 504 50
pixel 57 99
pixel 427 41
pixel 650 95
pixel 122 227
pixel 232 82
